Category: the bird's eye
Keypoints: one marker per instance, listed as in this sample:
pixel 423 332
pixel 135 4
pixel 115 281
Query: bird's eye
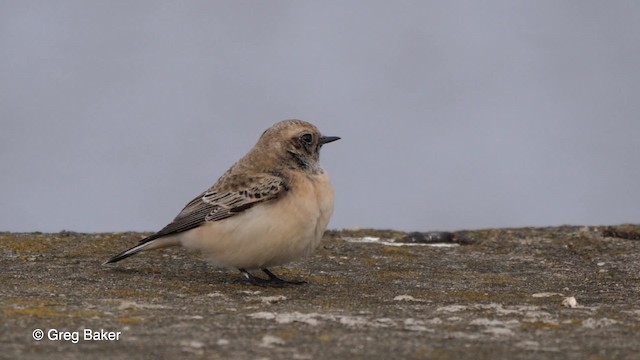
pixel 307 138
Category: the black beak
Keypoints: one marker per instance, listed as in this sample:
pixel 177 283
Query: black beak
pixel 328 139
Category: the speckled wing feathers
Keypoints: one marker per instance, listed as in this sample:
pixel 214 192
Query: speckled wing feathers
pixel 214 205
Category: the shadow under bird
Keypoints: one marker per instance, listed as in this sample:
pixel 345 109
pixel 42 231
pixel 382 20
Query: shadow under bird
pixel 269 208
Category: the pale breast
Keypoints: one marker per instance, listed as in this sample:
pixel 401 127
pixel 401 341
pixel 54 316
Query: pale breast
pixel 271 233
pixel 325 199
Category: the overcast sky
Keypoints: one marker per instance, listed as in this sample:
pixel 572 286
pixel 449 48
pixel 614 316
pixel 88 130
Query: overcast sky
pixel 453 114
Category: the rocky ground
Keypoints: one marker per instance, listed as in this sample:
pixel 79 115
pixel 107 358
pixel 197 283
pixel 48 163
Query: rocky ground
pixel 487 294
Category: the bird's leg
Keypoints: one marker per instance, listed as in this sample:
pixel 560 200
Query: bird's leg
pixel 276 280
pixel 273 280
pixel 254 279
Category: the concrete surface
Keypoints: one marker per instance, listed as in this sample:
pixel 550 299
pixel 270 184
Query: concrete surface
pixel 498 295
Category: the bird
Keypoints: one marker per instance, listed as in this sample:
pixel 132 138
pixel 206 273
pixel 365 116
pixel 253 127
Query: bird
pixel 269 208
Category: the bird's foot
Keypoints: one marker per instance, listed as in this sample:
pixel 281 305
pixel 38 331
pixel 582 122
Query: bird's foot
pixel 273 280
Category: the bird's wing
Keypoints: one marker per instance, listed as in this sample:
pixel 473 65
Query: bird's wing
pixel 214 205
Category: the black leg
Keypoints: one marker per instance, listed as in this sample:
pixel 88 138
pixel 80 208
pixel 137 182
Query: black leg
pixel 254 279
pixel 273 280
pixel 278 280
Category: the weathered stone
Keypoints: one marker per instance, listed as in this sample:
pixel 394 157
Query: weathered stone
pixel 499 297
pixel 431 237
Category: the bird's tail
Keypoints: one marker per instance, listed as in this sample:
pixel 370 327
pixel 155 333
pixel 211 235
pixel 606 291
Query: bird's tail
pixel 144 245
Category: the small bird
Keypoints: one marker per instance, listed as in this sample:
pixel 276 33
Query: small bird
pixel 269 208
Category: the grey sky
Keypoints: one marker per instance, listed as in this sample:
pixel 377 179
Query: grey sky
pixel 453 114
